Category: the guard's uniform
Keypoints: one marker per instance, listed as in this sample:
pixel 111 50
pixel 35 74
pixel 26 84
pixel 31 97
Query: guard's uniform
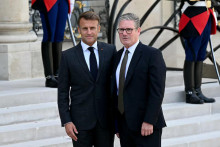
pixel 196 24
pixel 53 17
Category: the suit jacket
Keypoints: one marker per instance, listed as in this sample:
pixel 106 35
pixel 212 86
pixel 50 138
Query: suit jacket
pixel 81 99
pixel 143 89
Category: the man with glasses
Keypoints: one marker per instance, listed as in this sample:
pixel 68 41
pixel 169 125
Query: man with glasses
pixel 84 87
pixel 138 85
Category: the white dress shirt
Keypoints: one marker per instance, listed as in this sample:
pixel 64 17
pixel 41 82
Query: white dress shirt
pixel 130 54
pixel 86 53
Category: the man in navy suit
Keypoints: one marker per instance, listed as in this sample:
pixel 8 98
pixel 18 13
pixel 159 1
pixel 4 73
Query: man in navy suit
pixel 84 87
pixel 138 87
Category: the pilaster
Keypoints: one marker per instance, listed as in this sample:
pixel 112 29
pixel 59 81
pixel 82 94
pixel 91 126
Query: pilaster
pixel 19 48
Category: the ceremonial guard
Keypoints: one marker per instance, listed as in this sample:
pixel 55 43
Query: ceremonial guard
pixel 196 24
pixel 53 16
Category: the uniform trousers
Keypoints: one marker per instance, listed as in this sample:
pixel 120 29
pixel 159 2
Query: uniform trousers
pixel 54 22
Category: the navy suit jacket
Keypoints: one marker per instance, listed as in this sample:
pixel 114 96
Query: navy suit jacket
pixel 81 99
pixel 143 89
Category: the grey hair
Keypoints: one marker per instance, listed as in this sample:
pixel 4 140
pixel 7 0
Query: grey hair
pixel 132 17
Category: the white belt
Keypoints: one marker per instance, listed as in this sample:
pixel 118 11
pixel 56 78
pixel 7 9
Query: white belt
pixel 197 4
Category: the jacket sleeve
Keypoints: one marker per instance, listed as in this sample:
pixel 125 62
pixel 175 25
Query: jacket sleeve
pixel 63 92
pixel 156 76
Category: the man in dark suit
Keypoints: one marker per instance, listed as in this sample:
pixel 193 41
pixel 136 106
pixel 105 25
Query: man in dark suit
pixel 138 87
pixel 84 87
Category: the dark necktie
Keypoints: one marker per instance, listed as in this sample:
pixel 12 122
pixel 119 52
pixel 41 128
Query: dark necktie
pixel 121 82
pixel 93 63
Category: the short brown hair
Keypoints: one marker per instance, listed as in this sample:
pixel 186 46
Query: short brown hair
pixel 89 15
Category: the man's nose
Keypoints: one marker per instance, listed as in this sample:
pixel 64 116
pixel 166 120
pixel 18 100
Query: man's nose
pixel 124 32
pixel 89 31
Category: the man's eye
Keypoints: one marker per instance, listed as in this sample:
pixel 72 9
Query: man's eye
pixel 128 29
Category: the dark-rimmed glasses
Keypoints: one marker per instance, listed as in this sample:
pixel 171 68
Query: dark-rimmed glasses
pixel 128 30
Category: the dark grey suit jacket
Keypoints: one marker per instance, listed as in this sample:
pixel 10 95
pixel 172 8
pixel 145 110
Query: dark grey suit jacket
pixel 143 89
pixel 81 99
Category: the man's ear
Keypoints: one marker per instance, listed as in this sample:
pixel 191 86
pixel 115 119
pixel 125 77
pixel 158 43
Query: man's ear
pixel 99 28
pixel 139 30
pixel 78 30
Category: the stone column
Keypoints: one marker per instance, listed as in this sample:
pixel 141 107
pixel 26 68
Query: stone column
pixel 19 51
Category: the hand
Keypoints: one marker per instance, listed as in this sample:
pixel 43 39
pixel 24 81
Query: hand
pixel 71 130
pixel 146 129
pixel 117 134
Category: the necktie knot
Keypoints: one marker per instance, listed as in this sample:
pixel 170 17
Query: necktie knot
pixel 91 49
pixel 126 52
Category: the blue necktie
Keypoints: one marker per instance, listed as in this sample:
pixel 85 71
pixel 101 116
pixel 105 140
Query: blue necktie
pixel 93 63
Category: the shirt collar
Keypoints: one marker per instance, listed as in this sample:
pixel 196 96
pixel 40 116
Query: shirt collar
pixel 85 46
pixel 132 48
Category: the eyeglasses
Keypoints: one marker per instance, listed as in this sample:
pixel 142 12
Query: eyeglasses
pixel 128 30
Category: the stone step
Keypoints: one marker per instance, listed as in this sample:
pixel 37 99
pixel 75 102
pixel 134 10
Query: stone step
pixel 51 128
pixel 176 94
pixel 181 110
pixel 31 114
pixel 43 111
pixel 192 126
pixel 210 139
pixel 24 92
pixel 174 78
pixel 27 113
pixel 171 112
pixel 63 141
pixel 31 131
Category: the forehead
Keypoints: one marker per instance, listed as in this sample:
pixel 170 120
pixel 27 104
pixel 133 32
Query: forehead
pixel 126 24
pixel 88 23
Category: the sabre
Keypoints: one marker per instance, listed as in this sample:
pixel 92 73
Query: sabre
pixel 71 31
pixel 214 61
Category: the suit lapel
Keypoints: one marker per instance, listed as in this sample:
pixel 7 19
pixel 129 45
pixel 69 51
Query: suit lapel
pixel 82 60
pixel 136 56
pixel 117 60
